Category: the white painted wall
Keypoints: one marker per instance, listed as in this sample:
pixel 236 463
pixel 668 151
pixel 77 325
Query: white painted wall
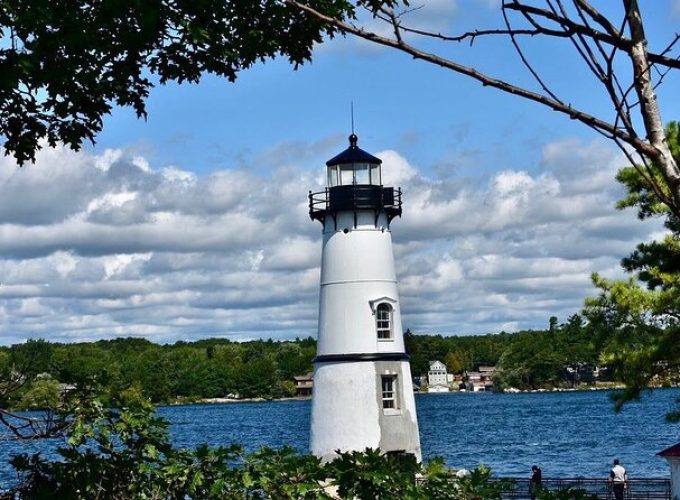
pixel 674 462
pixel 344 409
pixel 357 269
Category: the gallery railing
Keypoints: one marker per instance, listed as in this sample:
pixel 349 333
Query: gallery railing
pixel 636 489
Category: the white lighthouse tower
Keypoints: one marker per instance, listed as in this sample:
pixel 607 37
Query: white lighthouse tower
pixel 363 393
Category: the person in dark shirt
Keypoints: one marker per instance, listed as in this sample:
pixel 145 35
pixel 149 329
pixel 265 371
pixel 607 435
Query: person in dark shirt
pixel 535 482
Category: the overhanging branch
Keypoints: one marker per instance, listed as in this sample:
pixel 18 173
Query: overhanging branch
pixel 593 122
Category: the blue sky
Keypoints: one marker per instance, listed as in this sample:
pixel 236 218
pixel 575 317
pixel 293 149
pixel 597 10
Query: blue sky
pixel 193 223
pixel 428 113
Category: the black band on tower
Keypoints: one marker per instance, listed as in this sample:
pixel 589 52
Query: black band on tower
pixel 361 356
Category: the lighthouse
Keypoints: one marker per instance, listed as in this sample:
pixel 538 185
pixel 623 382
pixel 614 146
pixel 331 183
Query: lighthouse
pixel 363 392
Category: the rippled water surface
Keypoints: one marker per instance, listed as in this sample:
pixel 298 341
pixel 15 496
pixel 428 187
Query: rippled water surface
pixel 568 434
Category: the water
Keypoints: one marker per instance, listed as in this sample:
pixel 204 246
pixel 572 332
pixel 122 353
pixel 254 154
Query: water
pixel 568 434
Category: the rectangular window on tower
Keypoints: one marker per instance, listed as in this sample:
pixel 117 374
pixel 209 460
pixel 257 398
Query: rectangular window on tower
pixel 389 391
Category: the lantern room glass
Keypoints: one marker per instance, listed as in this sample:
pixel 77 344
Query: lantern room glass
pixel 347 174
pixel 361 173
pixel 375 175
pixel 332 176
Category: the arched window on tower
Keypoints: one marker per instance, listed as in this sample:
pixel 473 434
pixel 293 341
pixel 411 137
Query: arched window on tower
pixel 383 321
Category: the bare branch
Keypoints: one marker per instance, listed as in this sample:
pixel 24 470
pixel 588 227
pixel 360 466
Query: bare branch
pixel 622 43
pixel 591 121
pixel 598 18
pixel 472 35
pixel 585 50
pixel 22 427
pixel 671 45
pixel 525 61
pixel 606 76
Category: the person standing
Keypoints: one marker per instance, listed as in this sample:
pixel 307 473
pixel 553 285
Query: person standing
pixel 618 478
pixel 535 482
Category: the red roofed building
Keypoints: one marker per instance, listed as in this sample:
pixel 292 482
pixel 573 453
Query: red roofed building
pixel 673 451
pixel 672 455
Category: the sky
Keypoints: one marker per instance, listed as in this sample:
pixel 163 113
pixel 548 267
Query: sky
pixel 194 223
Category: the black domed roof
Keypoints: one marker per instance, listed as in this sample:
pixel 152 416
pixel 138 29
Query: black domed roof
pixel 353 154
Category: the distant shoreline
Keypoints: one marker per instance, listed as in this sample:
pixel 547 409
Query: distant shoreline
pixel 217 401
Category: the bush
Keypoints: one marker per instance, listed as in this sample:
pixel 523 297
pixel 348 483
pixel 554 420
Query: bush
pixel 127 454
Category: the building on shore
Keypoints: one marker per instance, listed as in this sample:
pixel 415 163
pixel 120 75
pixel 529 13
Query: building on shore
pixel 304 384
pixel 363 393
pixel 438 378
pixel 481 380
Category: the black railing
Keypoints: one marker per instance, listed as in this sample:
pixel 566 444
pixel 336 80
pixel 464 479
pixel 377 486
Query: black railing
pixel 353 198
pixel 636 489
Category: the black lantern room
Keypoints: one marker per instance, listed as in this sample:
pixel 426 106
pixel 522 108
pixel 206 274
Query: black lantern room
pixel 354 183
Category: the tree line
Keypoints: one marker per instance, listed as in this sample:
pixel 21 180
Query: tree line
pixel 162 373
pixel 210 368
pixel 527 359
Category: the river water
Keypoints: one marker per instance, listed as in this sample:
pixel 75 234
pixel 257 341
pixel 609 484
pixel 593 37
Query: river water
pixel 569 434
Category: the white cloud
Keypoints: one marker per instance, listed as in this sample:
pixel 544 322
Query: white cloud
pixel 675 7
pixel 115 246
pixel 115 264
pixel 396 169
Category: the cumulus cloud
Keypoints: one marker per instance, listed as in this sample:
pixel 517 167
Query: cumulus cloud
pixel 104 245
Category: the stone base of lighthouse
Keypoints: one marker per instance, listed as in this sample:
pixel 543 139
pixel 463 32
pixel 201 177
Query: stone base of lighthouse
pixel 348 412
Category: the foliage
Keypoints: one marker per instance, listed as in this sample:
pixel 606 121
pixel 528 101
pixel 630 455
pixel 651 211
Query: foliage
pixel 370 474
pixel 285 474
pixel 539 360
pixel 478 485
pixel 637 321
pixel 212 368
pixel 43 393
pixel 121 454
pixel 204 369
pixel 114 52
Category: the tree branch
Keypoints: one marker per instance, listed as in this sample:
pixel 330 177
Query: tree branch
pixel 591 121
pixel 525 61
pixel 621 42
pixel 648 104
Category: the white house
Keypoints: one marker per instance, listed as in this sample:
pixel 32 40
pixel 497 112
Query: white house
pixel 437 377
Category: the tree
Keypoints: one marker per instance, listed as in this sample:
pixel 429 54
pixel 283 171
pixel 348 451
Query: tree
pixel 42 394
pixel 115 52
pixel 457 361
pixel 612 46
pixel 637 321
pixel 64 63
pixel 25 382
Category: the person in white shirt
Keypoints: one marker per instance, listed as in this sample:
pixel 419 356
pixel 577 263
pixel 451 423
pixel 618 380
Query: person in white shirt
pixel 618 478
